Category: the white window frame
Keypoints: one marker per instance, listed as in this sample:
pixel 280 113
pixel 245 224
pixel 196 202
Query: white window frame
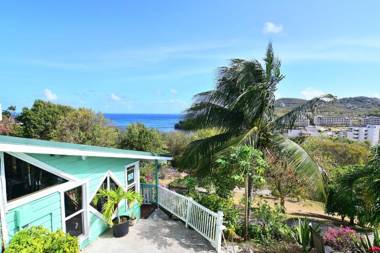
pixel 107 176
pixel 11 204
pixel 84 210
pixel 136 181
pixel 136 174
pixel 72 182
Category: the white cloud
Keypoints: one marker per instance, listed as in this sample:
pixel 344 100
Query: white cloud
pixel 173 91
pixel 310 93
pixel 115 97
pixel 376 95
pixel 49 95
pixel 270 27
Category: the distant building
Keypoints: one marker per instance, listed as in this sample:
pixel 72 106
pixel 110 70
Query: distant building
pixel 370 133
pixel 306 131
pixel 1 113
pixel 302 122
pixel 371 120
pixel 332 121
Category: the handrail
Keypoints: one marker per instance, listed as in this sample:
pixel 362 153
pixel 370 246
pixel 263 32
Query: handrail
pixel 207 223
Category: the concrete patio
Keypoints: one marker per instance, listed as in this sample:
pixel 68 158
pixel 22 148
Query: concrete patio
pixel 156 234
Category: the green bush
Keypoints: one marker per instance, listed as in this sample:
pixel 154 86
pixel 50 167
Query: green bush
pixel 269 224
pixel 41 240
pixel 216 203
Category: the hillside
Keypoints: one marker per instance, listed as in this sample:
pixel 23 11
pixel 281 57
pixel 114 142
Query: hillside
pixel 352 106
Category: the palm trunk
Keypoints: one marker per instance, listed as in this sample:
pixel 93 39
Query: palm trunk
pixel 247 211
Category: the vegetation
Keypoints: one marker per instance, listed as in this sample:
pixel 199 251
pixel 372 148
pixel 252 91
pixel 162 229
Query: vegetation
pixel 331 153
pixel 303 235
pixel 215 203
pixel 364 184
pixel 283 179
pixel 343 239
pixel 41 119
pixel 241 108
pixel 41 240
pixel 237 166
pixel 139 137
pixel 268 225
pixel 351 106
pixel 84 126
pixel 114 197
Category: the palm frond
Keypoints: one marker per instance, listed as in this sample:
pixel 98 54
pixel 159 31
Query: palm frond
pixel 307 109
pixel 302 163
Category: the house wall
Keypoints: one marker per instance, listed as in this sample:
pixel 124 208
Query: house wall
pixel 47 210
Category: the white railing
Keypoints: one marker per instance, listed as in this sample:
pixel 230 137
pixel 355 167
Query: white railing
pixel 206 222
pixel 148 191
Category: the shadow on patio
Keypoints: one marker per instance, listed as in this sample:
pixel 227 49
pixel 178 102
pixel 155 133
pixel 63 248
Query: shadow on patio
pixel 158 234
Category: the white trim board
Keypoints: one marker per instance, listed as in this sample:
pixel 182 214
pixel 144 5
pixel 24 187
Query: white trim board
pixel 74 152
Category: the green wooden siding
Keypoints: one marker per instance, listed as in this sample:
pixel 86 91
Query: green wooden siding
pixel 45 211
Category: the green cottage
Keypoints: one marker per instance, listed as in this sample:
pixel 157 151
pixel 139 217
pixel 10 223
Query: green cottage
pixel 53 184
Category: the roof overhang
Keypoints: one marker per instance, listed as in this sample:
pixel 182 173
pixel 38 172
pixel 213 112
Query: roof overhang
pixel 19 148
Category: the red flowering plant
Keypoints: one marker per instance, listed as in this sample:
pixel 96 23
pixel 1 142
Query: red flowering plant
pixel 366 245
pixel 343 239
pixel 374 249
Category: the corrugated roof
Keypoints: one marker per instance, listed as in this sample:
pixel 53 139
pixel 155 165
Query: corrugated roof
pixel 26 145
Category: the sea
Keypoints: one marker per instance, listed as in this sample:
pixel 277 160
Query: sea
pixel 161 122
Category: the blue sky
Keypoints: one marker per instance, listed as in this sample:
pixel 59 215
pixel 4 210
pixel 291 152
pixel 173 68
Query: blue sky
pixel 153 56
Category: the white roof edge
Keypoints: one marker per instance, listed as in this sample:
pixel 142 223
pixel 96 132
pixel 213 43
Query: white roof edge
pixel 74 152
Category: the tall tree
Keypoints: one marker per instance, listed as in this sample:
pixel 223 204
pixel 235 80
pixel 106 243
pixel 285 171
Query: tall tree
pixel 242 108
pixel 84 126
pixel 139 137
pixel 41 119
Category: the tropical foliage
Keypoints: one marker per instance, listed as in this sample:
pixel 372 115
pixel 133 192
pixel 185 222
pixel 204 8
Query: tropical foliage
pixel 84 126
pixel 268 225
pixel 41 240
pixel 331 153
pixel 365 184
pixel 241 108
pixel 41 119
pixel 139 137
pixel 114 197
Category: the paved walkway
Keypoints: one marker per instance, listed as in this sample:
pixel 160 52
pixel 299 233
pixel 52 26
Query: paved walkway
pixel 157 234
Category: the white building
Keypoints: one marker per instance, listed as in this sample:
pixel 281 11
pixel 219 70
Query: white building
pixel 371 120
pixel 332 121
pixel 370 133
pixel 306 131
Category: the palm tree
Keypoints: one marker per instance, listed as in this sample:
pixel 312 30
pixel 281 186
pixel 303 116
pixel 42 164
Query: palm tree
pixel 241 107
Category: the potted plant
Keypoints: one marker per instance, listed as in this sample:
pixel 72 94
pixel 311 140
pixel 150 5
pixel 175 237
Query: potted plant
pixel 120 224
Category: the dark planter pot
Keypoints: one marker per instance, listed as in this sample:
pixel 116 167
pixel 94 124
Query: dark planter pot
pixel 120 230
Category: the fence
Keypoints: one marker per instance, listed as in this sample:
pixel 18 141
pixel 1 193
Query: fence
pixel 206 222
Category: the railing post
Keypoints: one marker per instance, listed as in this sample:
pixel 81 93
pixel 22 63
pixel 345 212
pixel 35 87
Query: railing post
pixel 157 169
pixel 189 204
pixel 219 231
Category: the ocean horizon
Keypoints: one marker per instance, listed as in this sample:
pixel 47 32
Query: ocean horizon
pixel 161 122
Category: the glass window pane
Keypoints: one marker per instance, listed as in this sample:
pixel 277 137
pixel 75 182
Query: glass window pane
pixel 101 200
pixel 132 189
pixel 113 184
pixel 23 178
pixel 74 225
pixel 130 174
pixel 73 201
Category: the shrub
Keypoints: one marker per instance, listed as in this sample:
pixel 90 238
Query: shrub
pixel 41 240
pixel 342 239
pixel 269 224
pixel 189 183
pixel 216 203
